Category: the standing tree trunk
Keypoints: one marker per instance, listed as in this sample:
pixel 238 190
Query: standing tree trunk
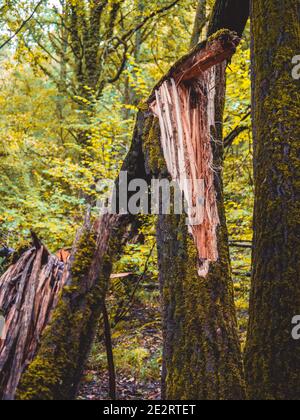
pixel 272 356
pixel 202 356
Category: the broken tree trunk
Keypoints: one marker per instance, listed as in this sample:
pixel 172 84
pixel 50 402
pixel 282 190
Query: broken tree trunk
pixel 57 368
pixel 202 356
pixel 29 291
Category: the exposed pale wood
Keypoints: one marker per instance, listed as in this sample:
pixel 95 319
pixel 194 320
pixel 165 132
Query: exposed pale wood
pixel 184 103
pixel 28 292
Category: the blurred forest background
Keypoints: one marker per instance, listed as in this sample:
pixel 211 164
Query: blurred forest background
pixel 66 122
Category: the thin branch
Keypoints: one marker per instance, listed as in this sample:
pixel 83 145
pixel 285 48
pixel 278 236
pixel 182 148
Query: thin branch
pixel 236 245
pixel 140 279
pixel 132 31
pixel 228 141
pixel 24 23
pixel 151 16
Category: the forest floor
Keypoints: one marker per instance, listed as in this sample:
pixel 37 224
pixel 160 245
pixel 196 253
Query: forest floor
pixel 137 343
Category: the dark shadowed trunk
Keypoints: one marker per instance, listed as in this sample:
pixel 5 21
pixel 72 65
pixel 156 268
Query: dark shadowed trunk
pixel 56 370
pixel 272 356
pixel 229 14
pixel 199 23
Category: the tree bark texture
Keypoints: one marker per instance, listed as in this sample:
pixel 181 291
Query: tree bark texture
pixel 202 356
pixel 272 356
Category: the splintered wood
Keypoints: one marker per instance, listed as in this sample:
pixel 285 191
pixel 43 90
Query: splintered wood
pixel 29 290
pixel 184 103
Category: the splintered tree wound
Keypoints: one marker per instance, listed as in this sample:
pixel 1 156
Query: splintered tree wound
pixel 29 290
pixel 184 103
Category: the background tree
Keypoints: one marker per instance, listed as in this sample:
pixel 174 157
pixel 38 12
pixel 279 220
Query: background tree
pixel 14 27
pixel 200 330
pixel 44 381
pixel 200 21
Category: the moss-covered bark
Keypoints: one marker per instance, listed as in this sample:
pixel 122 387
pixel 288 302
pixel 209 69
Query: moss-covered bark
pixel 272 356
